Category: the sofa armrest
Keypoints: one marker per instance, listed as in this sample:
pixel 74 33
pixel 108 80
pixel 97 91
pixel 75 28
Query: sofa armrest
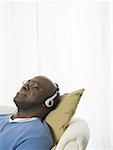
pixel 75 137
pixel 78 144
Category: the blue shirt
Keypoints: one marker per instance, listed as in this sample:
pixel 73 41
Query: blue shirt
pixel 29 135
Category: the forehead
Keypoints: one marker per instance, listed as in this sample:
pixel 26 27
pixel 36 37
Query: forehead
pixel 36 79
pixel 45 82
pixel 39 81
pixel 42 80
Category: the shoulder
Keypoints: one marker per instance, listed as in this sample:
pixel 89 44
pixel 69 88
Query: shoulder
pixel 35 132
pixel 37 129
pixel 37 126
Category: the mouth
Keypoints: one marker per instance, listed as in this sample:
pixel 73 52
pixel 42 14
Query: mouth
pixel 21 94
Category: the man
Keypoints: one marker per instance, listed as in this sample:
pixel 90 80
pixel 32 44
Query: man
pixel 26 129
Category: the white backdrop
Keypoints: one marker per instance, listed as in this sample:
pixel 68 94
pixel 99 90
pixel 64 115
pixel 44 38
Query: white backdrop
pixel 70 43
pixel 18 53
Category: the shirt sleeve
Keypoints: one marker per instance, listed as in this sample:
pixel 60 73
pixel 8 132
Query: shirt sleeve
pixel 35 144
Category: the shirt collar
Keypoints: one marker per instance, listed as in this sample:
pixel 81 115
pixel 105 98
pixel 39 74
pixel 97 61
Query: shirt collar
pixel 22 119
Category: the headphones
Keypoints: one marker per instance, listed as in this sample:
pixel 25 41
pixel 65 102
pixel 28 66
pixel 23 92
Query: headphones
pixel 49 102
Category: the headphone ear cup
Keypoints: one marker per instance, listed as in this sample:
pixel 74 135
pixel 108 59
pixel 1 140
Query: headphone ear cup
pixel 49 103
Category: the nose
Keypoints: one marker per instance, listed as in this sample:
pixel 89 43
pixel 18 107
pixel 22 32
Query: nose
pixel 25 87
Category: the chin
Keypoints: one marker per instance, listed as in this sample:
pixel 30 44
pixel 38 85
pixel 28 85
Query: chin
pixel 16 99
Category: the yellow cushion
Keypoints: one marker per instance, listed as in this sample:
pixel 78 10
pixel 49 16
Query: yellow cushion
pixel 59 118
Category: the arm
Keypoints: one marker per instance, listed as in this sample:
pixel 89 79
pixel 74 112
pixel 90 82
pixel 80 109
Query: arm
pixel 40 143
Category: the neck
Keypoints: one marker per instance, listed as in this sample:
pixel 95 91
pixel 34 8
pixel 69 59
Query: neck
pixel 29 114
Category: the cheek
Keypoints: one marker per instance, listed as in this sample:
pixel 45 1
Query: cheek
pixel 34 97
pixel 37 96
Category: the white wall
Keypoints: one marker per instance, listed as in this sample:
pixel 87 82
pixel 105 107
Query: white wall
pixel 111 74
pixel 18 51
pixel 70 43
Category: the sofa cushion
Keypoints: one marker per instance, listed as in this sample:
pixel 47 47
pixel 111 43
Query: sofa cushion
pixel 59 118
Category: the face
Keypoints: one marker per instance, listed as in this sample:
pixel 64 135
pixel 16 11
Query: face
pixel 31 95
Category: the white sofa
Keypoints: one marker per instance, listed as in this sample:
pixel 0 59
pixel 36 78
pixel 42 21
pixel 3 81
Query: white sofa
pixel 75 137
